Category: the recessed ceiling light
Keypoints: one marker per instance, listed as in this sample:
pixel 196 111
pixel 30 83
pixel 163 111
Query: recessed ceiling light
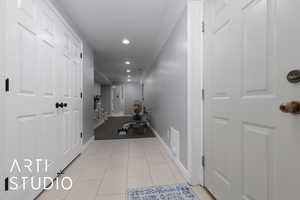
pixel 128 70
pixel 125 41
pixel 129 80
pixel 127 62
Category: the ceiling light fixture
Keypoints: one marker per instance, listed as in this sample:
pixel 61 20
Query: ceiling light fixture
pixel 128 70
pixel 129 80
pixel 126 41
pixel 127 62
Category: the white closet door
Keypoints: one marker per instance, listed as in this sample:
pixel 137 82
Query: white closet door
pixel 252 148
pixel 71 83
pixel 2 98
pixel 31 115
pixel 48 89
pixel 2 158
pixel 2 134
pixel 2 140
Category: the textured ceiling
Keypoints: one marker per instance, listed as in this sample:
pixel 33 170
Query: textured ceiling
pixel 104 23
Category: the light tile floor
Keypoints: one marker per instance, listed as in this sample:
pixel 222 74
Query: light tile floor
pixel 108 168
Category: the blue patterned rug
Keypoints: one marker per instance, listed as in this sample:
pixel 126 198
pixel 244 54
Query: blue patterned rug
pixel 172 192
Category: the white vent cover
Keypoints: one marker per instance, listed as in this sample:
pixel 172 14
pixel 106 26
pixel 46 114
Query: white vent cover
pixel 175 142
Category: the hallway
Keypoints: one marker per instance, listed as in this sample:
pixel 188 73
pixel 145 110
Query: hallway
pixel 109 130
pixel 149 99
pixel 108 168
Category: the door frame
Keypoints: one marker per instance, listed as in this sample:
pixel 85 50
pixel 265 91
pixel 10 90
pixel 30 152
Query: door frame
pixel 194 91
pixel 82 61
pixel 206 51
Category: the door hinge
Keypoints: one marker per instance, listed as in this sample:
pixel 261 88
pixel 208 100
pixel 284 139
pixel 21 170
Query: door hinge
pixel 6 184
pixel 81 135
pixel 81 95
pixel 203 161
pixel 7 85
pixel 81 55
pixel 203 26
pixel 203 94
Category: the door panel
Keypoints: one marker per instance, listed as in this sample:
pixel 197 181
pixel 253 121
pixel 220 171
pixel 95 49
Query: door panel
pixel 256 65
pixel 221 176
pixel 66 131
pixel 257 177
pixel 77 122
pixel 27 81
pixel 48 72
pixel 223 64
pixel 49 137
pixel 26 13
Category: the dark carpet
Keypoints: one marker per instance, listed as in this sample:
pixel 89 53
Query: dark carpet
pixel 109 130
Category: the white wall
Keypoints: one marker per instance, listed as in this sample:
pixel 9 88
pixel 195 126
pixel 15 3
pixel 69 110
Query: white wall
pixel 88 94
pixel 166 88
pixel 88 79
pixel 133 91
pixel 97 88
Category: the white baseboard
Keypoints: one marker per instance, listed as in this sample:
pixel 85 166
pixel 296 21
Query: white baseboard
pixel 184 171
pixel 87 144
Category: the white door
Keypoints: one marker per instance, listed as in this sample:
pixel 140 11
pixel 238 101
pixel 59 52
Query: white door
pixel 2 154
pixel 70 67
pixel 2 98
pixel 251 147
pixel 2 138
pixel 31 116
pixel 49 90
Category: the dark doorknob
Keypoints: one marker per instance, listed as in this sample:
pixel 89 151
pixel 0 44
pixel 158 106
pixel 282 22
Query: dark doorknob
pixel 65 105
pixel 59 105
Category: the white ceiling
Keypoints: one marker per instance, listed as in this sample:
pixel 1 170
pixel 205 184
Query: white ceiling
pixel 104 23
